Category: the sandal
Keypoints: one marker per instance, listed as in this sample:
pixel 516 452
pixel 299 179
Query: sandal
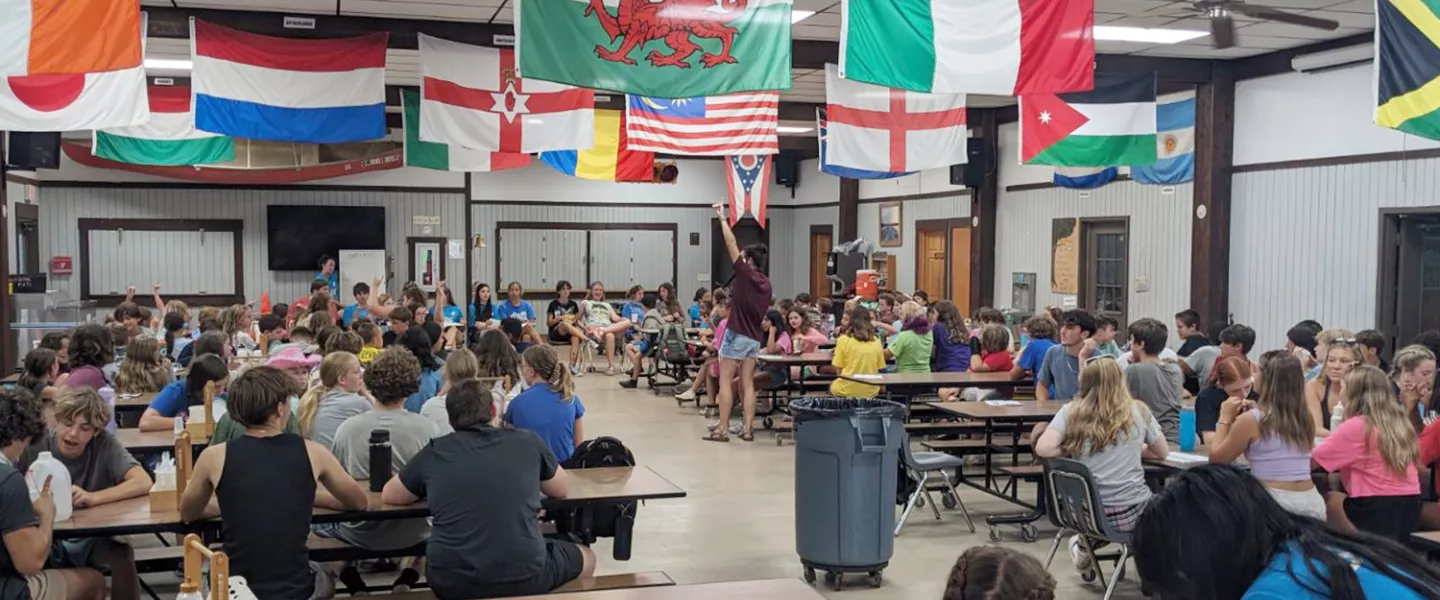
pixel 610 371
pixel 748 436
pixel 717 436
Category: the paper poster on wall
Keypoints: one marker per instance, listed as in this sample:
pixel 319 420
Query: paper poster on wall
pixel 358 266
pixel 1065 256
pixel 457 249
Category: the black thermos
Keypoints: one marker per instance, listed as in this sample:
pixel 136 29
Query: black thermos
pixel 379 459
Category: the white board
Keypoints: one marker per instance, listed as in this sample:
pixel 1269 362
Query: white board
pixel 357 266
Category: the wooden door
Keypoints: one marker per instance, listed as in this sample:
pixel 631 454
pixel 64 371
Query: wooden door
pixel 930 269
pixel 820 245
pixel 960 269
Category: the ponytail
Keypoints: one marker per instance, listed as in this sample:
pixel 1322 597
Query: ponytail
pixel 547 365
pixel 331 370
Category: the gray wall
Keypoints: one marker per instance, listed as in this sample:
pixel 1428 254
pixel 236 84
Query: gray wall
pixel 790 246
pixel 61 208
pixel 955 206
pixel 1159 241
pixel 1305 242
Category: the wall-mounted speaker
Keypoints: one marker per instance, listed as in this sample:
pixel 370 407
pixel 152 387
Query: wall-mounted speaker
pixel 787 169
pixel 27 150
pixel 980 157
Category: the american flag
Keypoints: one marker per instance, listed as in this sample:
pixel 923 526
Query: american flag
pixel 706 126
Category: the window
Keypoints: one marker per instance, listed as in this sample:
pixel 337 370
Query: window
pixel 1105 256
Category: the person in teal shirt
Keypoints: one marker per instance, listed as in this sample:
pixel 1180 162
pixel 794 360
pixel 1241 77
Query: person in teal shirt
pixel 1215 533
pixel 330 274
pixel 1104 338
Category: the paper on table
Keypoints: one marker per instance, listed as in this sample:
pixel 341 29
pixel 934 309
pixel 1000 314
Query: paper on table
pixel 865 376
pixel 1185 457
pixel 767 356
pixel 1002 403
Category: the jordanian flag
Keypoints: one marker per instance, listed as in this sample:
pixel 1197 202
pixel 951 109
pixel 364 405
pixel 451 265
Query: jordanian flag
pixel 1113 125
pixel 1407 67
pixel 169 139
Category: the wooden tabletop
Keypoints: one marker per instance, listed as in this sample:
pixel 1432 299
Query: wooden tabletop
pixel 956 379
pixel 771 589
pixel 1026 409
pixel 134 400
pixel 133 439
pixel 808 358
pixel 608 484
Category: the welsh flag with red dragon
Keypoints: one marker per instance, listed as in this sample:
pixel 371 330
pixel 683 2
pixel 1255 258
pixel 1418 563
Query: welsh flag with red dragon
pixel 660 49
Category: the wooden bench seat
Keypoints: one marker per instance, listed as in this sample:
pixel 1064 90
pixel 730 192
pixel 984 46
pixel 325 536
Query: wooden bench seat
pixel 621 581
pixel 976 446
pixel 941 427
pixel 322 549
pixel 1022 471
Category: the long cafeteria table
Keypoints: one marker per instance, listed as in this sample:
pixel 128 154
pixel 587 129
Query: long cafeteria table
pixel 148 442
pixel 588 488
pixel 934 381
pixel 768 589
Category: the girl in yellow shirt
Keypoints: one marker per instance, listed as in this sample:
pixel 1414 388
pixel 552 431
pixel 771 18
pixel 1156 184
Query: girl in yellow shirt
pixel 857 352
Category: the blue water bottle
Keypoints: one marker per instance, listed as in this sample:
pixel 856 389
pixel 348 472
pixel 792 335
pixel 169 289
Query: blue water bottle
pixel 1187 430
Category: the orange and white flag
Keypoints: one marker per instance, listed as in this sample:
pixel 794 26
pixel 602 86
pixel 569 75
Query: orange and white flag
pixel 52 37
pixel 69 65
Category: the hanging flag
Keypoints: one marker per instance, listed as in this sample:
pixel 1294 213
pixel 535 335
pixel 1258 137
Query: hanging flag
pixel 1174 142
pixel 169 139
pixel 69 37
pixel 884 129
pixel 472 97
pixel 261 87
pixel 707 126
pixel 1111 126
pixel 1407 67
pixel 1002 47
pixel 825 167
pixel 669 49
pixel 445 157
pixel 74 102
pixel 748 179
pixel 611 158
pixel 1084 178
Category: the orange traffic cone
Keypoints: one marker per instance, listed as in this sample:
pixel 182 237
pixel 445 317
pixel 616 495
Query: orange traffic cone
pixel 265 303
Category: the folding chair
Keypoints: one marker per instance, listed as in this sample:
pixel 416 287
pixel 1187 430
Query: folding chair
pixel 919 466
pixel 1076 509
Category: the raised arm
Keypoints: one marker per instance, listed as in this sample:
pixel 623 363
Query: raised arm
pixel 373 304
pixel 730 244
pixel 159 302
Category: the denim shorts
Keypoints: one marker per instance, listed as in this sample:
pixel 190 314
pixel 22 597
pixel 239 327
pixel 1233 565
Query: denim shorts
pixel 738 347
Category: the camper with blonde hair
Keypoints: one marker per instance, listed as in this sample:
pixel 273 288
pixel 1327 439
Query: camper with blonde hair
pixel 341 394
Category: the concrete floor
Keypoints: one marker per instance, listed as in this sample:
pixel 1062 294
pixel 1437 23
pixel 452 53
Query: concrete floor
pixel 738 520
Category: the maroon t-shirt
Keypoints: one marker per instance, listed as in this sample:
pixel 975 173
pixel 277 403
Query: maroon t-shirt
pixel 749 299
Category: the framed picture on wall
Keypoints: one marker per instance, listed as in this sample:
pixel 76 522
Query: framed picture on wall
pixel 892 233
pixel 427 262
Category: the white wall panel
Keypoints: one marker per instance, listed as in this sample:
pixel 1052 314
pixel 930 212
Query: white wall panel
pixel 1305 242
pixel 868 225
pixel 63 206
pixel 1159 241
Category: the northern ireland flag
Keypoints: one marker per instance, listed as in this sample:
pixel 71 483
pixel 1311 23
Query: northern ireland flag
pixel 472 96
pixel 169 139
pixel 748 179
pixel 444 157
pixel 260 87
pixel 883 129
pixel 68 65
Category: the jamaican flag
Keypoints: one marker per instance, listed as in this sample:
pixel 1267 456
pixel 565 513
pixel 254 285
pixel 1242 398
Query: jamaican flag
pixel 1407 66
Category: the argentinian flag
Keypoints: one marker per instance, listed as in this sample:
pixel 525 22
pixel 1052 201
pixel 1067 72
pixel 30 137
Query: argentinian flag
pixel 1175 142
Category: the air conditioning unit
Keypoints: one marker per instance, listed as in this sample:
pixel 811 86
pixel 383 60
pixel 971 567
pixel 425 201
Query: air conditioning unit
pixel 1333 59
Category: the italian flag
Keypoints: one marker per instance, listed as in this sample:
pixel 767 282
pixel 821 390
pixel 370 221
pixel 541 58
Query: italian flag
pixel 169 139
pixel 448 157
pixel 1113 125
pixel 1002 47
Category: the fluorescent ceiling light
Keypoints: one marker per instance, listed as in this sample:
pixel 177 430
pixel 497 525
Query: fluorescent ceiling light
pixel 797 16
pixel 784 129
pixel 1152 35
pixel 168 63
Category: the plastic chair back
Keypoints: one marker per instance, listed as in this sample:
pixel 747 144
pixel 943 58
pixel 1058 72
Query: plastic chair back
pixel 1074 500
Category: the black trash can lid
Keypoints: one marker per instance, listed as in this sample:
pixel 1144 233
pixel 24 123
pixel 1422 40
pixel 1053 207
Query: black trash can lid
pixel 811 408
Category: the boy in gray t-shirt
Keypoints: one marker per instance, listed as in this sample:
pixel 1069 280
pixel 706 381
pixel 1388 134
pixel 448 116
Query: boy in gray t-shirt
pixel 1160 385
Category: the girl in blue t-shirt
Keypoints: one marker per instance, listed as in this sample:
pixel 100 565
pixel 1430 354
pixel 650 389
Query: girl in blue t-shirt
pixel 515 307
pixel 1238 542
pixel 697 311
pixel 431 368
pixel 548 406
pixel 177 398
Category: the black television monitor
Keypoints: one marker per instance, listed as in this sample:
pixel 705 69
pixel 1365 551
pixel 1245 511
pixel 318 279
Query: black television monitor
pixel 297 236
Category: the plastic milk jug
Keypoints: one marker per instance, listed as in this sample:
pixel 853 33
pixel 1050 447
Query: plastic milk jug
pixel 47 466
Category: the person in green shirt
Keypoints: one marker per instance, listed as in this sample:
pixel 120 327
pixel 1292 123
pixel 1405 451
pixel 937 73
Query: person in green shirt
pixel 1104 338
pixel 912 346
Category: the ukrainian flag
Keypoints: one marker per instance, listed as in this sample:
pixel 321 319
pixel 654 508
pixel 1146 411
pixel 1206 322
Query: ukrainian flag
pixel 610 159
pixel 1407 66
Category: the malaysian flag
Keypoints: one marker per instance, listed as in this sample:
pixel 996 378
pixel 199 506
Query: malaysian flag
pixel 707 126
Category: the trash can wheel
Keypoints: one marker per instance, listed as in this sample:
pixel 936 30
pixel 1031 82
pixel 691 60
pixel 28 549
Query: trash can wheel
pixel 832 579
pixel 768 423
pixel 810 575
pixel 876 579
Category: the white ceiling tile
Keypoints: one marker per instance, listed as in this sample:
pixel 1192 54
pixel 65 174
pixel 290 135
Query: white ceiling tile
pixel 1353 20
pixel 817 5
pixel 421 9
pixel 1296 4
pixel 1355 6
pixel 1184 51
pixel 1113 47
pixel 506 15
pixel 1278 29
pixel 827 19
pixel 812 32
pixel 282 6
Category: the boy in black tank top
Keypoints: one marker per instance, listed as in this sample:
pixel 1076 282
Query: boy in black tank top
pixel 267 493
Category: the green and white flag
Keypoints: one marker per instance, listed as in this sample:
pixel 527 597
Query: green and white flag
pixel 445 157
pixel 1111 126
pixel 169 139
pixel 703 48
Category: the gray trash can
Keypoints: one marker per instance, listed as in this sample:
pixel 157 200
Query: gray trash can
pixel 846 458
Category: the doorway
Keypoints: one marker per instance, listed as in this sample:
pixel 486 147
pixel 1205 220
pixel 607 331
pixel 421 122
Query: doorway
pixel 942 260
pixel 822 240
pixel 1105 267
pixel 747 232
pixel 1409 281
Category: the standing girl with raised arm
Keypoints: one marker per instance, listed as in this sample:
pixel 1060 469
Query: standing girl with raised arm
pixel 750 297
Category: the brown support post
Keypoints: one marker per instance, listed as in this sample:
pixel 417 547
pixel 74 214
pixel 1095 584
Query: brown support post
pixel 7 343
pixel 982 213
pixel 849 228
pixel 464 299
pixel 1210 218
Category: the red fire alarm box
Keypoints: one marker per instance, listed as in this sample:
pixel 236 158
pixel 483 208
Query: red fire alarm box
pixel 62 265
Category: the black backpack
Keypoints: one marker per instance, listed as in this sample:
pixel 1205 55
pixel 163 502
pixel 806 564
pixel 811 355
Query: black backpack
pixel 603 451
pixel 611 520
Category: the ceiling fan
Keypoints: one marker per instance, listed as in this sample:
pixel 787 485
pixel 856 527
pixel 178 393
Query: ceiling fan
pixel 1222 25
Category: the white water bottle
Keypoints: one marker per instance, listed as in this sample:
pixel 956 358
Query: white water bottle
pixel 1336 416
pixel 46 466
